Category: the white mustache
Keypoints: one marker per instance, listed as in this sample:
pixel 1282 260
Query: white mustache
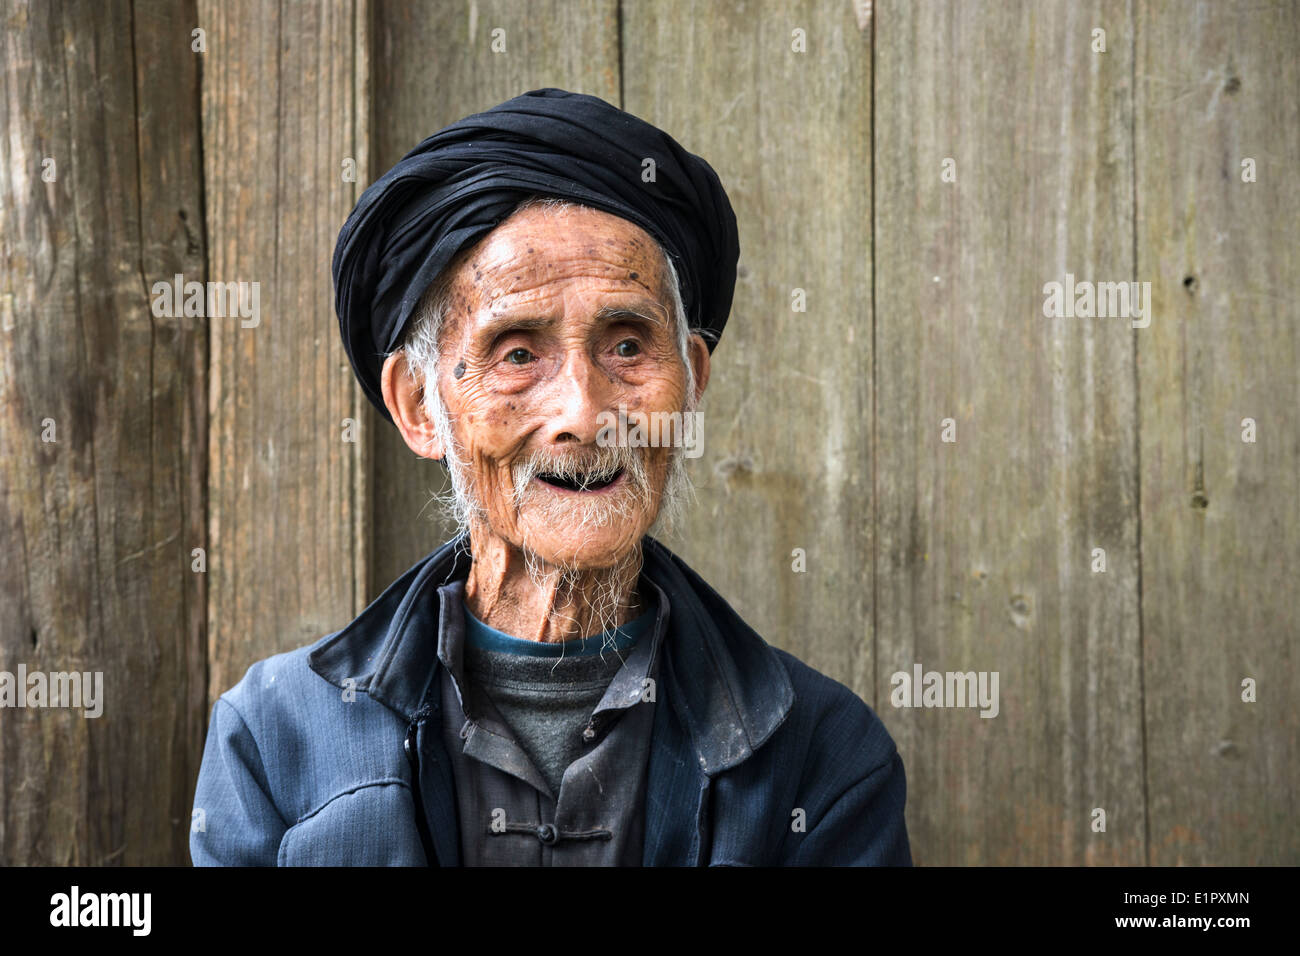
pixel 589 466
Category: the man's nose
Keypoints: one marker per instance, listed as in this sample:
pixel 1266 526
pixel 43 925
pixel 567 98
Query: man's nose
pixel 579 392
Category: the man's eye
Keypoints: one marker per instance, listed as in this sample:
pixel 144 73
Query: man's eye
pixel 627 348
pixel 519 356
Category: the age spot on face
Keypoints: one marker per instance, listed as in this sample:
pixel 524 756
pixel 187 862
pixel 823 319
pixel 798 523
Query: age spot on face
pixel 459 370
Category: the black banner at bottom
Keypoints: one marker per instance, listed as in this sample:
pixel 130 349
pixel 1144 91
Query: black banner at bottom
pixel 923 905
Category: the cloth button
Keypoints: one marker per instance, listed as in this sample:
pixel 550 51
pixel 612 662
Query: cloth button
pixel 589 733
pixel 546 833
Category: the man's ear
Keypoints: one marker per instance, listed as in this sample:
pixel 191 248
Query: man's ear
pixel 699 355
pixel 404 400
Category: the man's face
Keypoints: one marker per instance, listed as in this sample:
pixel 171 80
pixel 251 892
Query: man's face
pixel 556 317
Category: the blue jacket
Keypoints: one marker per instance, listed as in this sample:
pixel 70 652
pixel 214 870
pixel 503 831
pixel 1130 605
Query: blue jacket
pixel 331 755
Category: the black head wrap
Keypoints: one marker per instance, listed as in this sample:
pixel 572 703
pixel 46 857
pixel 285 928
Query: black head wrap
pixel 461 182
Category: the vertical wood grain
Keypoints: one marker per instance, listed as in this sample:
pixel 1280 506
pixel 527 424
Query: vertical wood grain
pixel 96 526
pixel 985 544
pixel 286 557
pixel 1219 83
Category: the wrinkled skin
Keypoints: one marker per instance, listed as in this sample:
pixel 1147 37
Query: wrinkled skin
pixel 528 362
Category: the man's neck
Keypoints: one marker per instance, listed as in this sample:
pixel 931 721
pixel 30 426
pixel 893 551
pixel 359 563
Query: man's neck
pixel 548 604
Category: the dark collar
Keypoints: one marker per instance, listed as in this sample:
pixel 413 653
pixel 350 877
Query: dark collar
pixel 722 679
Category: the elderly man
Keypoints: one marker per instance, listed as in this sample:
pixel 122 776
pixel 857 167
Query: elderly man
pixel 522 292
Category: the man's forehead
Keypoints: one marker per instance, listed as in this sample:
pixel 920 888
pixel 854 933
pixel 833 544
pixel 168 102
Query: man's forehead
pixel 521 261
pixel 540 236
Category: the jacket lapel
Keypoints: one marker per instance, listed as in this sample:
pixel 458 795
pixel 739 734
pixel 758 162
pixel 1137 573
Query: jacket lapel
pixel 436 786
pixel 727 694
pixel 675 791
pixel 730 688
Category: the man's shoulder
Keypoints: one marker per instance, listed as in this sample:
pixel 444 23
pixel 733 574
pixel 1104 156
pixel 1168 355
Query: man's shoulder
pixel 279 683
pixel 339 665
pixel 833 716
pixel 786 707
pixel 834 760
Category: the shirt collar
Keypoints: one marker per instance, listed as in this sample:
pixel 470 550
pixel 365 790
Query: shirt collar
pixel 628 685
pixel 621 639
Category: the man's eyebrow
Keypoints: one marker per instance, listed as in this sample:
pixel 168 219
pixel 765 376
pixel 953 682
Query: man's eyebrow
pixel 611 312
pixel 503 321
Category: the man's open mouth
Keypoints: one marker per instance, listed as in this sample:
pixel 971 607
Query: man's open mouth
pixel 581 482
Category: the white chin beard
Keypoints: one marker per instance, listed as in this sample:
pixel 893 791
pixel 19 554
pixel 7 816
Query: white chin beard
pixel 598 595
pixel 601 594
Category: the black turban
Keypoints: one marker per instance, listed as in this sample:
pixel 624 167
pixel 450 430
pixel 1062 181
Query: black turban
pixel 461 182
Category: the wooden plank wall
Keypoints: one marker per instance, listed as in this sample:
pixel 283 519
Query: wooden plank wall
pixel 96 525
pixel 1119 690
pixel 986 542
pixel 283 108
pixel 1218 84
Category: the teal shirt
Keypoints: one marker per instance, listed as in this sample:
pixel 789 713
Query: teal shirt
pixel 621 639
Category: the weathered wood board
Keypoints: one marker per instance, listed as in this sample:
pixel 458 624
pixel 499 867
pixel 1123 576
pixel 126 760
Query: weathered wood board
pixel 985 548
pixel 1219 84
pixel 287 519
pixel 102 431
